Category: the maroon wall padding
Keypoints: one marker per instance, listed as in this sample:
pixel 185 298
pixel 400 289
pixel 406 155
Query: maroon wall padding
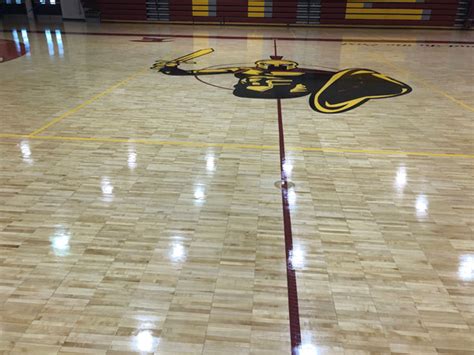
pixel 442 13
pixel 286 9
pixel 232 8
pixel 122 9
pixel 181 10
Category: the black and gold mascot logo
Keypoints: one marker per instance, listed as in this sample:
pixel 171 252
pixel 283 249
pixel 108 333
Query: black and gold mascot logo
pixel 331 92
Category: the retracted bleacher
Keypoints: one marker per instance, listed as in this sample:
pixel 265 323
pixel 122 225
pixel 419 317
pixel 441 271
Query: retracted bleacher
pixel 401 13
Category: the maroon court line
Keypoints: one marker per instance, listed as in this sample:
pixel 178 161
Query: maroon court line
pixel 293 308
pixel 314 39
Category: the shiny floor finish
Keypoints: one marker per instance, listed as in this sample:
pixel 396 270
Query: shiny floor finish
pixel 142 213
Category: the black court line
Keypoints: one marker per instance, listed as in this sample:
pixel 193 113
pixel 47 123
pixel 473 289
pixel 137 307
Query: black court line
pixel 293 307
pixel 313 39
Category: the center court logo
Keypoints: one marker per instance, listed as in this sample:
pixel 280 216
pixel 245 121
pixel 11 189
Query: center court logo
pixel 276 78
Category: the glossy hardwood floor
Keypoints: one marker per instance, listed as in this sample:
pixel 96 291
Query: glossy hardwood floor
pixel 139 211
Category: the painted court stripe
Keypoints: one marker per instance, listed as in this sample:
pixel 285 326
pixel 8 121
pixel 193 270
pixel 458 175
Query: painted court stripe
pixel 413 77
pixel 293 307
pixel 311 39
pixel 235 146
pixel 87 102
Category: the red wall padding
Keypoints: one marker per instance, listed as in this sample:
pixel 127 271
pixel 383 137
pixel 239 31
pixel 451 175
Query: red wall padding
pixel 122 9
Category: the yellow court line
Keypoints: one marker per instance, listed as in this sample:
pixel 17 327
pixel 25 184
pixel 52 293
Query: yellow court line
pixel 235 146
pixel 87 102
pixel 425 83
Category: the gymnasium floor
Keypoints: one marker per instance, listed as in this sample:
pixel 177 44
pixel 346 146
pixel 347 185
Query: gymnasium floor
pixel 142 212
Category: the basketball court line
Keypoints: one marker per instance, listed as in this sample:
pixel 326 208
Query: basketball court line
pixel 292 288
pixel 235 146
pixel 430 86
pixel 87 102
pixel 303 39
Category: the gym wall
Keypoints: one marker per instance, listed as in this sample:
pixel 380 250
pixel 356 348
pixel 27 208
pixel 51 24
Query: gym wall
pixel 400 13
